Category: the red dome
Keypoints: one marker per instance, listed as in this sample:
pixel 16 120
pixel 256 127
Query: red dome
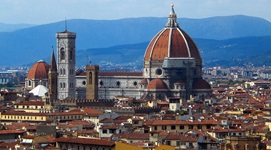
pixel 38 71
pixel 157 84
pixel 172 42
pixel 201 84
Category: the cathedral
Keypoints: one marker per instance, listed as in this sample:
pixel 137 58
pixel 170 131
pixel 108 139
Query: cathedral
pixel 172 69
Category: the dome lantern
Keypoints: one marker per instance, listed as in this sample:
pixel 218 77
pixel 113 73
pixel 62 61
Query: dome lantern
pixel 172 18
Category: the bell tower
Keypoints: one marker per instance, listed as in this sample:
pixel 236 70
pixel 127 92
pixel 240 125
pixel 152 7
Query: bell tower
pixel 66 64
pixel 52 79
pixel 92 82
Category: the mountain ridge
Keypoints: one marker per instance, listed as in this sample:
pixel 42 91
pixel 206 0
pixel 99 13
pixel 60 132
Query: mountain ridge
pixel 35 42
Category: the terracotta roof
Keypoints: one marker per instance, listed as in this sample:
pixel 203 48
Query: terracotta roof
pixel 109 127
pixel 91 112
pixel 138 136
pixel 180 122
pixel 38 71
pixel 86 141
pixel 10 145
pixel 2 132
pixel 157 84
pixel 201 84
pixel 179 45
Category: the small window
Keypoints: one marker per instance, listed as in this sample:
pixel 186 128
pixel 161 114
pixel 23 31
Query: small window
pixel 173 127
pixel 29 83
pixel 135 83
pixel 118 83
pixel 159 71
pixel 84 82
pixel 101 83
pixel 181 127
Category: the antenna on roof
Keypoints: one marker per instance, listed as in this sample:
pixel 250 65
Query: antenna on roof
pixel 65 24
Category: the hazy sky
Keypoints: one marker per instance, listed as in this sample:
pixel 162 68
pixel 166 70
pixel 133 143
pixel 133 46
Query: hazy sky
pixel 47 11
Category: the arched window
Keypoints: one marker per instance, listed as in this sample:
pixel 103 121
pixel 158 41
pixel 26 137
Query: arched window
pixel 64 71
pixel 64 85
pixel 62 54
pixel 61 86
pixel 29 83
pixel 61 71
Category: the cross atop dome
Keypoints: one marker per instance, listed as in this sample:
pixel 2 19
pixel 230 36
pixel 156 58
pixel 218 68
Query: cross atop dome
pixel 172 18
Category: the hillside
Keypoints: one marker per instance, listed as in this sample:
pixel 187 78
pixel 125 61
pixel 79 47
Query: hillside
pixel 31 44
pixel 231 52
pixel 13 27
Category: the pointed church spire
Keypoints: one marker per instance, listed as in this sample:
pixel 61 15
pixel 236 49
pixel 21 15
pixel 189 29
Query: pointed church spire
pixel 53 61
pixel 172 18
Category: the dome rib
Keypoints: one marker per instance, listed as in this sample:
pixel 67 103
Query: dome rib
pixel 184 38
pixel 169 42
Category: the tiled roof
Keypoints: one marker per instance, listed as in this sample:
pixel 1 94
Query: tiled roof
pixel 201 84
pixel 138 136
pixel 110 127
pixel 38 71
pixel 91 112
pixel 179 45
pixel 2 132
pixel 85 141
pixel 180 122
pixel 157 84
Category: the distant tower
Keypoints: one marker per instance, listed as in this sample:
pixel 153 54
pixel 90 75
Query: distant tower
pixel 52 79
pixel 92 82
pixel 66 64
